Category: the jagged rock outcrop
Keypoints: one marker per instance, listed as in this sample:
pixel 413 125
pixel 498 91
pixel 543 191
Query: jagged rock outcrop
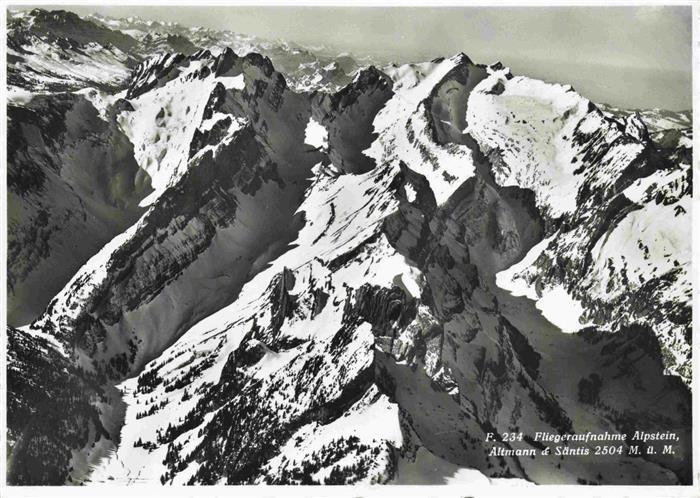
pixel 154 72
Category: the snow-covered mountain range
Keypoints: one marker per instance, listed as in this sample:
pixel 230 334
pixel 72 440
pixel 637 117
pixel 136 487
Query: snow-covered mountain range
pixel 234 260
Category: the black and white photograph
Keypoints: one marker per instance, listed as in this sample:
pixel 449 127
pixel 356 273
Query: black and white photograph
pixel 402 249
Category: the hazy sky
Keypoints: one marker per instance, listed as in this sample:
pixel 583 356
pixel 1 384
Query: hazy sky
pixel 630 56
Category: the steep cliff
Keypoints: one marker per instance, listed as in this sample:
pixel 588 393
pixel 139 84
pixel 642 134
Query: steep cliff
pixel 73 184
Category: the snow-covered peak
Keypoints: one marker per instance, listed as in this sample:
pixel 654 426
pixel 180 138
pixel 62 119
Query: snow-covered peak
pixel 405 130
pixel 635 127
pixel 532 125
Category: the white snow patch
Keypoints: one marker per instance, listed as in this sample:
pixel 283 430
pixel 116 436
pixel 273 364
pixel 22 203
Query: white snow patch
pixel 316 135
pixel 373 418
pixel 233 82
pixel 100 100
pixel 663 237
pixel 638 190
pixel 410 279
pixel 45 64
pixel 16 95
pixel 410 192
pixel 53 341
pixel 511 279
pixel 272 362
pixel 561 309
pixel 555 303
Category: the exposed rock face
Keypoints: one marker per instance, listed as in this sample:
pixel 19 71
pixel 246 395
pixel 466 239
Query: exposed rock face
pixel 326 287
pixel 348 116
pixel 73 184
pixel 635 127
pixel 154 72
pixel 167 42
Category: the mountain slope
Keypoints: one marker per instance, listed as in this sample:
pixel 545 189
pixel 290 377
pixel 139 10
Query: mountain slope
pixel 73 184
pixel 609 244
pixel 57 51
